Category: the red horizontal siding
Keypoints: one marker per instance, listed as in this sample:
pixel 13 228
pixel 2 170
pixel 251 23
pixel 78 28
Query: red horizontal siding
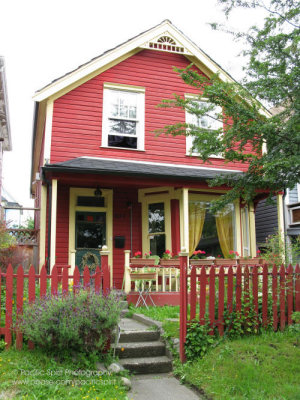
pixel 77 116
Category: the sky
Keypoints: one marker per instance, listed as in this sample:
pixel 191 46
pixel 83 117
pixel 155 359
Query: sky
pixel 42 40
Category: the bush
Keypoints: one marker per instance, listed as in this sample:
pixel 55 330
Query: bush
pixel 81 322
pixel 198 340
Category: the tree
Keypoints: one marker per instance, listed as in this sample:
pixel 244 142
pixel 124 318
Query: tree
pixel 272 78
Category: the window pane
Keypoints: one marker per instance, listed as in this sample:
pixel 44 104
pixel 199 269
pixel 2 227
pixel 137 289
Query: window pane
pixel 158 244
pixel 90 230
pixel 123 104
pixel 122 141
pixel 120 126
pixel 156 217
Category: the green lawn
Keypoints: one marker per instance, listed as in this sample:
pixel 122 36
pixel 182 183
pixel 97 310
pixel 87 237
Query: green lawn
pixel 33 375
pixel 255 368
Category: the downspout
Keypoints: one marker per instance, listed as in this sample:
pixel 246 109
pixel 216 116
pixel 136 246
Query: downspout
pixel 284 224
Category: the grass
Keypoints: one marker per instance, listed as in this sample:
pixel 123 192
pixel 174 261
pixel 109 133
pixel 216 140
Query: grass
pixel 33 375
pixel 259 367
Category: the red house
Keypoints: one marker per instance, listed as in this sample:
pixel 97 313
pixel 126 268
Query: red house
pixel 101 176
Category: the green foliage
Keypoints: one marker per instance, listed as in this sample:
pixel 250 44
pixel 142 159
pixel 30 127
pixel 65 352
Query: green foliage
pixel 6 240
pixel 2 345
pixel 198 340
pixel 277 249
pixel 81 322
pixel 272 77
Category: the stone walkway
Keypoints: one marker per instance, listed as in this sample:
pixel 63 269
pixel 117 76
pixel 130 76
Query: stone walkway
pixel 159 387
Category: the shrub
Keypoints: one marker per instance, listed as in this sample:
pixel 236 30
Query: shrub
pixel 81 322
pixel 198 340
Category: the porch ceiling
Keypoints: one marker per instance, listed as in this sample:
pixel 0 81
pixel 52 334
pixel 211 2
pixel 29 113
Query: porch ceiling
pixel 85 165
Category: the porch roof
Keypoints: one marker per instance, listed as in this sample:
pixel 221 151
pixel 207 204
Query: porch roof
pixel 83 165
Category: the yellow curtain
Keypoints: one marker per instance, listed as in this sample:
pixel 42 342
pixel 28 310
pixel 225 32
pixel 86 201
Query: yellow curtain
pixel 196 222
pixel 224 222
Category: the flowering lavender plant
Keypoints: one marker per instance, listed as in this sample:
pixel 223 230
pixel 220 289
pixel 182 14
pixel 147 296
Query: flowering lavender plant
pixel 79 322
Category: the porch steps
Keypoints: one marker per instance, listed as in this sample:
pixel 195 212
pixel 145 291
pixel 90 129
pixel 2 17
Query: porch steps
pixel 140 349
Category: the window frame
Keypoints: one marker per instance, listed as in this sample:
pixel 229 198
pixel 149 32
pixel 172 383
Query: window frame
pixel 189 139
pixel 140 117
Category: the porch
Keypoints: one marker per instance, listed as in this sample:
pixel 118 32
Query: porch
pixel 87 203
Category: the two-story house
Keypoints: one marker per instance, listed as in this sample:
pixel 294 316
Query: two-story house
pixel 101 175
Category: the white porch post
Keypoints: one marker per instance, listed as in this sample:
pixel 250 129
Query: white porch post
pixel 43 216
pixel 53 223
pixel 281 227
pixel 127 281
pixel 252 230
pixel 185 207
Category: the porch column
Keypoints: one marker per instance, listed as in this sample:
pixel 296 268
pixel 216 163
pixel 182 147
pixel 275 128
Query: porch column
pixel 43 217
pixel 53 223
pixel 185 214
pixel 252 230
pixel 281 227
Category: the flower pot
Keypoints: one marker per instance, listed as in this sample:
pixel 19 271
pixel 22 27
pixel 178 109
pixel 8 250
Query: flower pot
pixel 225 261
pixel 201 262
pixel 142 262
pixel 172 262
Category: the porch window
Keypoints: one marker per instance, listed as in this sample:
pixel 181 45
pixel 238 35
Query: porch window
pixel 210 122
pixel 123 117
pixel 213 233
pixel 156 228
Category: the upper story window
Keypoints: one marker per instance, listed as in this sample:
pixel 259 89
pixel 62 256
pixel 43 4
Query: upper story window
pixel 211 121
pixel 123 117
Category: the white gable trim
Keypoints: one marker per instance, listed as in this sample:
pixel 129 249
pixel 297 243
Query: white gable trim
pixel 94 67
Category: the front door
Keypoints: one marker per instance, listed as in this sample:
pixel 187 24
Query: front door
pixel 90 236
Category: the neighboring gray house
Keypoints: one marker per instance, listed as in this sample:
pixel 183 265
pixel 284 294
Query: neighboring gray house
pixel 266 221
pixel 5 137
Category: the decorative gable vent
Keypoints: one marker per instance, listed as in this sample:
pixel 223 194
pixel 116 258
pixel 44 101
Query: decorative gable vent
pixel 166 43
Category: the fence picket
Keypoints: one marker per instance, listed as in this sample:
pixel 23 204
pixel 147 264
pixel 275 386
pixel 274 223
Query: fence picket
pixel 255 293
pixel 275 297
pixel 297 288
pixel 238 289
pixel 31 295
pixel 65 280
pixel 211 304
pixel 43 282
pixel 54 280
pixel 8 305
pixel 246 290
pixel 265 296
pixel 282 297
pixel 20 295
pixel 202 298
pixel 289 286
pixel 86 277
pixel 230 290
pixel 193 293
pixel 97 278
pixel 76 280
pixel 221 302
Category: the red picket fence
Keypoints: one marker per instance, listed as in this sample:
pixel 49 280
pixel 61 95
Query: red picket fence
pixel 217 290
pixel 59 276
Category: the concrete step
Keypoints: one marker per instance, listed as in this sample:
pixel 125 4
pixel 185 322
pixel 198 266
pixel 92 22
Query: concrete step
pixel 148 365
pixel 140 349
pixel 138 336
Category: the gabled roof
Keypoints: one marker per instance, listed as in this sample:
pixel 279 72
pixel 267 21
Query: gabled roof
pixel 162 37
